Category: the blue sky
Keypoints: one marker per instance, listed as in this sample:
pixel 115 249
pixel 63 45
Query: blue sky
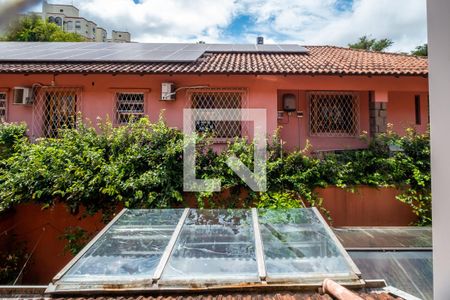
pixel 333 22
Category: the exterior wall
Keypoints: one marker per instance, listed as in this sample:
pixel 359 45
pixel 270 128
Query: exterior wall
pixel 98 93
pixel 67 10
pixel 367 206
pixel 100 35
pixel 81 26
pixel 401 111
pixel 120 37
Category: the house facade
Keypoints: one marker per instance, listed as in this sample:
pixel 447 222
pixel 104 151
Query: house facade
pixel 328 96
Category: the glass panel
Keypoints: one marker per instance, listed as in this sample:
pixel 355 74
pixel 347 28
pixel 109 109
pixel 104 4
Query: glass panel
pixel 130 250
pixel 298 248
pixel 410 271
pixel 214 246
pixel 385 237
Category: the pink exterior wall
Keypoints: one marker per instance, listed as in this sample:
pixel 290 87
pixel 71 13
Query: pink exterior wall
pixel 402 112
pixel 263 91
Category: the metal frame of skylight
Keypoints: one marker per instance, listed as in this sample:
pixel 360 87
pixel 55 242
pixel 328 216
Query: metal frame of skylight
pixel 151 284
pixel 88 246
pixel 341 248
pixel 259 246
pixel 169 248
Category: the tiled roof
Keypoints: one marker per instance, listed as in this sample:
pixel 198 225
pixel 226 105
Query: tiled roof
pixel 321 60
pixel 233 296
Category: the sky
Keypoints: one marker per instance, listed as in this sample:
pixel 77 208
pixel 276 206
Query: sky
pixel 305 22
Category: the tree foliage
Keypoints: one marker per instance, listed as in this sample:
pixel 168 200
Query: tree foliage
pixel 366 43
pixel 34 29
pixel 421 50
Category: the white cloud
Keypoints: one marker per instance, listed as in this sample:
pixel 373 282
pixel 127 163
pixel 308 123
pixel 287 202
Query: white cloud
pixel 294 21
pixel 320 22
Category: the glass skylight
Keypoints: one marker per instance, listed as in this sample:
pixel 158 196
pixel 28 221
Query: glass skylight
pixel 214 245
pixel 194 248
pixel 129 250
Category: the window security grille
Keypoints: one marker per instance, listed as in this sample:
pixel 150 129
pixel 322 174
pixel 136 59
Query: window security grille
pixel 129 106
pixel 334 114
pixel 54 108
pixel 220 99
pixel 3 103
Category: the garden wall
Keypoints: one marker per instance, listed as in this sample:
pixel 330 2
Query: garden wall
pixel 366 206
pixel 42 229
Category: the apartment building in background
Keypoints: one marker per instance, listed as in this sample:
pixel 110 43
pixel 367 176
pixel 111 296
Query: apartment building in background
pixel 69 19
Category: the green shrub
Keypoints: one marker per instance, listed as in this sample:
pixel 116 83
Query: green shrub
pixel 11 135
pixel 140 165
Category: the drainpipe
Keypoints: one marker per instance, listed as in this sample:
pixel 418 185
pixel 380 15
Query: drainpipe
pixel 338 291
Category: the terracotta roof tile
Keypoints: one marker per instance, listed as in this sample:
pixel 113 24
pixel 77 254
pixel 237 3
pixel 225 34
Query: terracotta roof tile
pixel 234 296
pixel 321 60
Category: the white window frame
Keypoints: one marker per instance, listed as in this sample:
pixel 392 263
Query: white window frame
pixel 117 113
pixel 354 128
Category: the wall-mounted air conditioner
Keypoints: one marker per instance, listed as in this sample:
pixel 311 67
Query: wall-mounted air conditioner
pixel 22 95
pixel 168 92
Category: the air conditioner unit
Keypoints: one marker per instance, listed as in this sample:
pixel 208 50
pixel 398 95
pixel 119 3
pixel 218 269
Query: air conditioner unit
pixel 22 95
pixel 168 92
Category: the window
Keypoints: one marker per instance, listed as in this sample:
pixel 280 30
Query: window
pixel 60 112
pixel 129 106
pixel 54 108
pixel 77 25
pixel 61 10
pixel 417 110
pixel 334 114
pixel 3 103
pixel 69 25
pixel 219 99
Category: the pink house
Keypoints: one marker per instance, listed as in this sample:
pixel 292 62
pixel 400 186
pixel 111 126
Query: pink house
pixel 327 95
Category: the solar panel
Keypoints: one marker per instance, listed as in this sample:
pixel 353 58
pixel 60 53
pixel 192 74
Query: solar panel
pixel 125 52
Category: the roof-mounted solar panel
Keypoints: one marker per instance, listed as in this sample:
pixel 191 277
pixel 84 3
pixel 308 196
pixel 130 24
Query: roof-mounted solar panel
pixel 127 52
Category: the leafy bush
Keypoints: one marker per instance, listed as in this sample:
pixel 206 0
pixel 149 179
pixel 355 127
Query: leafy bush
pixel 10 136
pixel 140 165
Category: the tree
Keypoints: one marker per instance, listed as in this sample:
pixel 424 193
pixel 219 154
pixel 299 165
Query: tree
pixel 367 43
pixel 420 50
pixel 34 29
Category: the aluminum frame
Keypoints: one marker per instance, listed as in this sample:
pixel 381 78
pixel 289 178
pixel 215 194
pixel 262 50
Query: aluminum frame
pixel 259 246
pixel 169 248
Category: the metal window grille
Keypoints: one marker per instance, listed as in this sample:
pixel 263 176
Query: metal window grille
pixel 129 106
pixel 220 99
pixel 54 108
pixel 3 103
pixel 334 114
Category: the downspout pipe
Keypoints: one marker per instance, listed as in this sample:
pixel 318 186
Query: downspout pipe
pixel 338 291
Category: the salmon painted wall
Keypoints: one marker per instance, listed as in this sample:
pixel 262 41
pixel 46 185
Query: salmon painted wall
pixel 402 111
pixel 263 92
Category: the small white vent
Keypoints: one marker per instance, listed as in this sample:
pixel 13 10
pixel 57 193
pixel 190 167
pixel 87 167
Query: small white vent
pixel 22 95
